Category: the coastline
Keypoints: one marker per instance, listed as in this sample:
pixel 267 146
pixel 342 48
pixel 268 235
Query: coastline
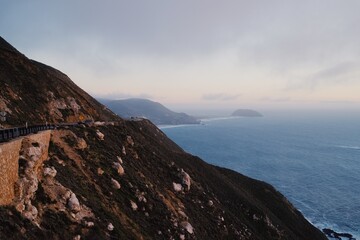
pixel 177 126
pixel 343 232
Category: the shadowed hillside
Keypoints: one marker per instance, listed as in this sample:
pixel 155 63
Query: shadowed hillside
pixel 122 179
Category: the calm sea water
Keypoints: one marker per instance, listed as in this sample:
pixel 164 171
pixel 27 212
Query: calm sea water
pixel 313 158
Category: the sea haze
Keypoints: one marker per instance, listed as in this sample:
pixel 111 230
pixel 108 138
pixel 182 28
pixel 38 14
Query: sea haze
pixel 313 158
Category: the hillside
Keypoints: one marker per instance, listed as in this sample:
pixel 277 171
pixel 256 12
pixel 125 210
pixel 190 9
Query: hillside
pixel 154 111
pixel 36 93
pixel 119 179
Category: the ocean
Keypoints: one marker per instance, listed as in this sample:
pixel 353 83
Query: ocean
pixel 312 157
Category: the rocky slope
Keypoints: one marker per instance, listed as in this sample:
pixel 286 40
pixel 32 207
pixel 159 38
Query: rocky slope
pixel 154 111
pixel 36 93
pixel 123 179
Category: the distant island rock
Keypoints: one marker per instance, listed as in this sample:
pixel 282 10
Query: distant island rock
pixel 246 113
pixel 144 108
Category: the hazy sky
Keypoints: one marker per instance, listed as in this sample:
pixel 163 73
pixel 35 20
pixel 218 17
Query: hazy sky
pixel 193 53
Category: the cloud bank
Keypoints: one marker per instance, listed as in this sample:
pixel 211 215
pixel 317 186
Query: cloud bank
pixel 177 50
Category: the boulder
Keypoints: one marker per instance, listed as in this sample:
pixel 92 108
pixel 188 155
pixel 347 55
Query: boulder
pixel 34 153
pixel 59 104
pixel 130 140
pixel 182 214
pixel 50 171
pixel 140 196
pixel 77 237
pixel 133 205
pixel 115 184
pixel 81 143
pixel 98 123
pixel 100 135
pixel 73 104
pixel 186 180
pixel 100 171
pixel 74 203
pixel 177 187
pixel 30 212
pixel 187 226
pixel 119 168
pixel 110 227
pixel 119 159
pixel 89 224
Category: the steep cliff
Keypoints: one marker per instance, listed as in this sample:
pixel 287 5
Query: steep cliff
pixel 122 179
pixel 36 93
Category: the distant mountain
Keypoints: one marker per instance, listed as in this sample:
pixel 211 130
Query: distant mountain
pixel 154 111
pixel 246 113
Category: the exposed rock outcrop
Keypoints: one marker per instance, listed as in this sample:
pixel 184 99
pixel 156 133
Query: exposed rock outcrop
pixel 120 170
pixel 33 154
pixel 110 227
pixel 187 226
pixel 100 171
pixel 119 159
pixel 186 180
pixel 130 140
pixel 123 150
pixel 100 135
pixel 74 203
pixel 115 184
pixel 81 143
pixel 339 236
pixel 50 171
pixel 177 187
pixel 133 205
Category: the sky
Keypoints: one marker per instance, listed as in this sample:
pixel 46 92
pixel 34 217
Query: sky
pixel 197 53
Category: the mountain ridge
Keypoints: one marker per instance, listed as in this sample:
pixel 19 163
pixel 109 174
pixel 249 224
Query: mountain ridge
pixel 154 111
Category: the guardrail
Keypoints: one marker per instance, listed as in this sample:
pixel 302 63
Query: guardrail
pixel 11 133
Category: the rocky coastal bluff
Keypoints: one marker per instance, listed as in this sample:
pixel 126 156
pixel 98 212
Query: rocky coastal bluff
pixel 116 178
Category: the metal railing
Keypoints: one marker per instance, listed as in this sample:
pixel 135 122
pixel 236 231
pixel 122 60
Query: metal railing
pixel 11 133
